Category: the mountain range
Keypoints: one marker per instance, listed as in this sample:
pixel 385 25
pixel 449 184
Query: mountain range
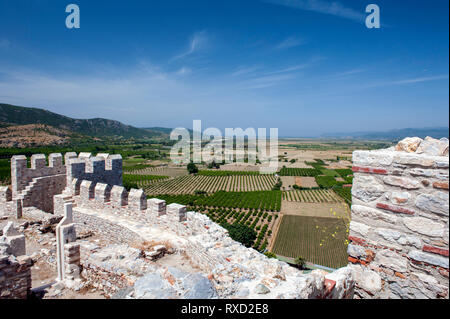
pixel 11 115
pixel 22 126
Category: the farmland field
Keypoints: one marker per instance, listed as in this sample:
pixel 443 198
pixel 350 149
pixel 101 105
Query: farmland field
pixel 266 200
pixel 226 173
pixel 161 170
pixel 312 238
pixel 311 196
pixel 345 193
pixel 139 181
pixel 257 210
pixel 326 181
pixel 285 171
pixel 306 182
pixel 210 184
pixel 328 210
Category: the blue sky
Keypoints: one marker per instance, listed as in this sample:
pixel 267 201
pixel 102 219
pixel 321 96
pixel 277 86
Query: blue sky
pixel 304 66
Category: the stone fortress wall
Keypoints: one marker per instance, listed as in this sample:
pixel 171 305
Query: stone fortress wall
pixel 399 230
pixel 36 186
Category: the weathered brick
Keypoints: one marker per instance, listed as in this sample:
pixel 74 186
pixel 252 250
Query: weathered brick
pixel 440 185
pixel 435 250
pixel 371 170
pixel 356 240
pixel 399 275
pixel 395 209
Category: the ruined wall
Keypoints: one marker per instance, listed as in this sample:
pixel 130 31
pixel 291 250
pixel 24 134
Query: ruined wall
pixel 21 175
pixel 399 230
pixel 102 197
pixel 40 191
pixel 15 276
pixel 115 233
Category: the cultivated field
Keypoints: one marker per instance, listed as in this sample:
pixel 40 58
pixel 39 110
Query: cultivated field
pixel 319 240
pixel 297 217
pixel 141 181
pixel 161 170
pixel 311 196
pixel 327 210
pixel 306 181
pixel 257 210
pixel 210 184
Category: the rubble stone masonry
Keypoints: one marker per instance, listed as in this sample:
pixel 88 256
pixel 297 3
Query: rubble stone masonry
pixel 15 276
pixel 399 230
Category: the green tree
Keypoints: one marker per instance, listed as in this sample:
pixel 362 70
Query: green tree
pixel 241 233
pixel 192 168
pixel 300 262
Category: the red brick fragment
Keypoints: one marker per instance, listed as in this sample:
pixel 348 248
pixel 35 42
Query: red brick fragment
pixel 435 250
pixel 400 275
pixel 369 170
pixel 440 185
pixel 395 209
pixel 443 272
pixel 329 286
pixel 356 240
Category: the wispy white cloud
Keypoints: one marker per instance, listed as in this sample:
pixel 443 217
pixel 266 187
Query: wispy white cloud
pixel 350 72
pixel 289 69
pixel 290 42
pixel 409 81
pixel 421 79
pixel 265 81
pixel 245 70
pixel 258 77
pixel 321 6
pixel 197 42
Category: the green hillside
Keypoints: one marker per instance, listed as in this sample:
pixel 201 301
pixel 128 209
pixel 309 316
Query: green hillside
pixel 97 127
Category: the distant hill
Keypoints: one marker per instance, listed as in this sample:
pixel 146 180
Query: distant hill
pixel 97 127
pixel 162 130
pixel 19 136
pixel 393 135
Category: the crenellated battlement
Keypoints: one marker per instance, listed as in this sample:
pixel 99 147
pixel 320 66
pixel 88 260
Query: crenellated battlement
pixel 103 168
pixel 116 199
pixel 101 196
pixel 35 183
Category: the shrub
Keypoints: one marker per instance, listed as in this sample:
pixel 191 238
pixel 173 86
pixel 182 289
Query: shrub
pixel 241 233
pixel 300 262
pixel 270 254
